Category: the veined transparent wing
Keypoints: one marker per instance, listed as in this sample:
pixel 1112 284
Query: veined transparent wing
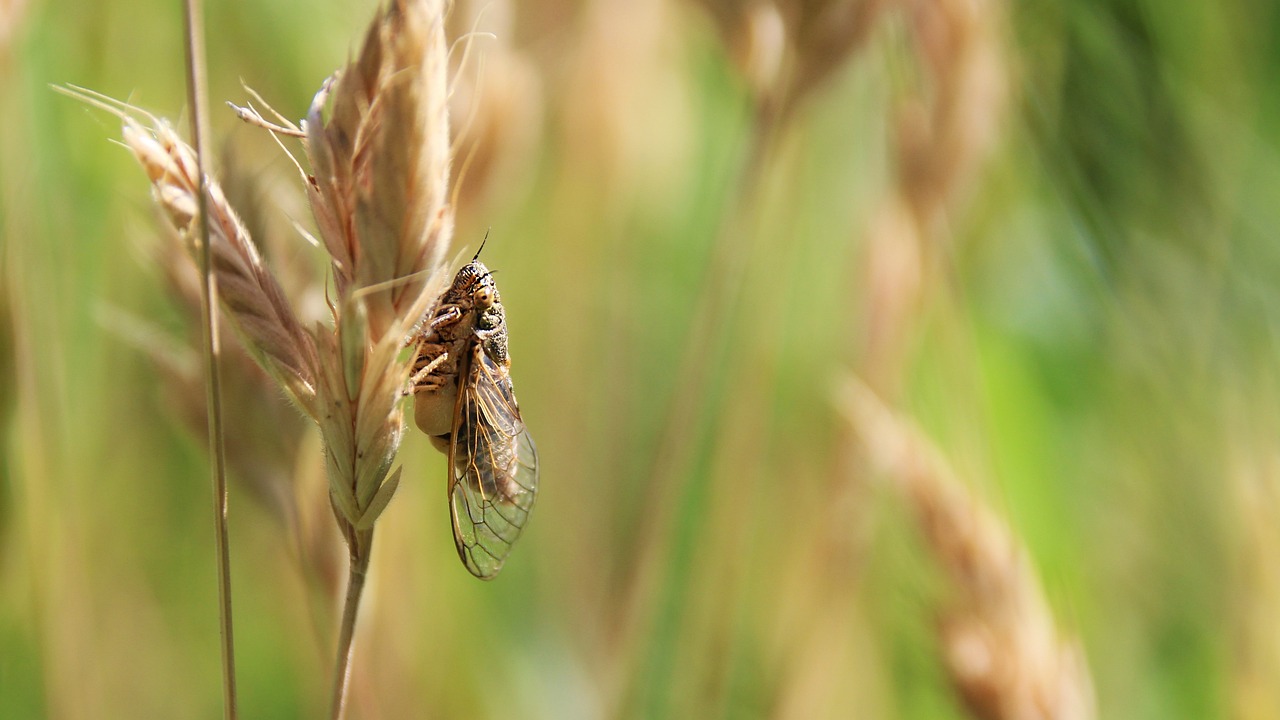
pixel 494 462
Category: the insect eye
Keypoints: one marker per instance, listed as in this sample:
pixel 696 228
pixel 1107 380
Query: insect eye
pixel 483 296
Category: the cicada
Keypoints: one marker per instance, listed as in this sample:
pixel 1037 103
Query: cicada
pixel 464 401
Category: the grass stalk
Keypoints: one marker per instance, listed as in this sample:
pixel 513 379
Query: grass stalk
pixel 199 134
pixel 358 571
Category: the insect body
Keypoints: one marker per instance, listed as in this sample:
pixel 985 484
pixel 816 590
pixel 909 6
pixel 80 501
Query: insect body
pixel 464 401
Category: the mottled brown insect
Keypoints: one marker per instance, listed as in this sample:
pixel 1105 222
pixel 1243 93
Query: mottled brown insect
pixel 464 400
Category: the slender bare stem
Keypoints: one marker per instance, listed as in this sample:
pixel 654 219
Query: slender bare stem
pixel 213 385
pixel 360 554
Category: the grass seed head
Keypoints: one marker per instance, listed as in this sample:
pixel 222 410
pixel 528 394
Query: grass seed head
pixel 1000 643
pixel 380 163
pixel 254 302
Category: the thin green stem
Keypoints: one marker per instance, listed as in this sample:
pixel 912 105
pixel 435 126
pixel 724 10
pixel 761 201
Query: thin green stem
pixel 213 385
pixel 710 326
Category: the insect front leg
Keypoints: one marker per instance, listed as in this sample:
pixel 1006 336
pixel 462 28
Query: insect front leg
pixel 446 315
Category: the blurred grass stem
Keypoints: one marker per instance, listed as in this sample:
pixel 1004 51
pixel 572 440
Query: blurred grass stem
pixel 733 249
pixel 213 386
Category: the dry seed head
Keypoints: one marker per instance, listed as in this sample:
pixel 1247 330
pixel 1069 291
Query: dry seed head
pixel 786 48
pixel 254 302
pixel 755 36
pixel 1000 643
pixel 945 133
pixel 379 190
pixel 944 127
pixel 268 203
pixel 362 423
pixel 761 47
pixel 823 34
pixel 262 448
pixel 381 163
pixel 623 66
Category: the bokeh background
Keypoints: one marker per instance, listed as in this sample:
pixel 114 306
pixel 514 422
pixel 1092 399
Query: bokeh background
pixel 1041 234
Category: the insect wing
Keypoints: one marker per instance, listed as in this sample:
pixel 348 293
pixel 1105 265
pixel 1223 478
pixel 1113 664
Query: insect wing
pixel 495 468
pixel 495 396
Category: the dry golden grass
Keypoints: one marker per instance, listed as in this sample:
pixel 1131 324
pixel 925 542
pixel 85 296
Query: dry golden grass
pixel 787 49
pixel 254 301
pixel 378 187
pixel 945 125
pixel 380 167
pixel 1001 645
pixel 729 205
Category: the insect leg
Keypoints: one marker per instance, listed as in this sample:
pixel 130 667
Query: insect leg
pixel 447 315
pixel 426 370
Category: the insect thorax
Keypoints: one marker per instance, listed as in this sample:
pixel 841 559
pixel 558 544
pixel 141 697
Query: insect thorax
pixel 449 337
pixel 491 328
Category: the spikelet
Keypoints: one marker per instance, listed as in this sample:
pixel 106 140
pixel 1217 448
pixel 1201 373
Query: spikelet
pixel 254 302
pixel 784 49
pixel 262 445
pixel 269 453
pixel 944 127
pixel 1001 646
pixel 380 176
pixel 380 163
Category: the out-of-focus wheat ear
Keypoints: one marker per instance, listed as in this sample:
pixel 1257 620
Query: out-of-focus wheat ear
pixel 755 37
pixel 253 300
pixel 944 127
pixel 786 48
pixel 1001 645
pixel 946 130
pixel 824 35
pixel 495 104
pixel 381 162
